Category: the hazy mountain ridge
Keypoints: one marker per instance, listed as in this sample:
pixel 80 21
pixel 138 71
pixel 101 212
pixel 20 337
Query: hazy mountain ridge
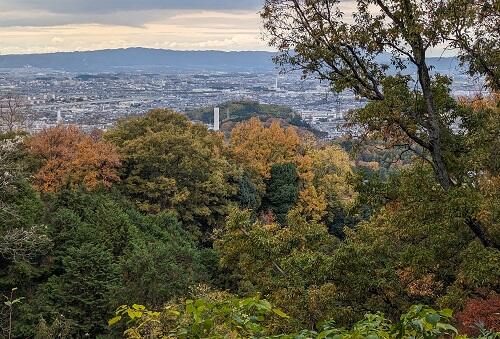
pixel 147 58
pixel 110 59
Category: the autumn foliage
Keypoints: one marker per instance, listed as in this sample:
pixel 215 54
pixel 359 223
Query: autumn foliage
pixel 258 147
pixel 71 158
pixel 480 313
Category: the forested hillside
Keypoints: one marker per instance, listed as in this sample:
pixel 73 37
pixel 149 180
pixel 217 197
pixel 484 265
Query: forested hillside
pixel 233 112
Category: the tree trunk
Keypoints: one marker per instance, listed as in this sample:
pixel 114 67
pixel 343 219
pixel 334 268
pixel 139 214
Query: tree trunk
pixel 479 232
pixel 435 147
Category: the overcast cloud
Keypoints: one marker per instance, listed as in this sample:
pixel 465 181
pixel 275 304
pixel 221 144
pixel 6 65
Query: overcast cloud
pixel 110 6
pixel 32 26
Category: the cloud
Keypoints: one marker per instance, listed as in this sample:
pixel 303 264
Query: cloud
pixel 29 26
pixel 50 19
pixel 112 6
pixel 38 13
pixel 57 40
pixel 185 30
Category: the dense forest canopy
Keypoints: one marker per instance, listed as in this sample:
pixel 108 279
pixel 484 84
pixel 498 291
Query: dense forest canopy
pixel 320 39
pixel 161 228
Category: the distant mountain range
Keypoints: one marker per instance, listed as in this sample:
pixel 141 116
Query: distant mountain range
pixel 142 58
pixel 151 59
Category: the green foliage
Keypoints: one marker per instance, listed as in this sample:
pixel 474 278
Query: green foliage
pixel 249 318
pixel 288 264
pixel 105 253
pixel 282 190
pixel 171 164
pixel 408 105
pixel 416 248
pixel 84 292
pixel 21 206
pixel 233 318
pixel 248 193
pixel 161 262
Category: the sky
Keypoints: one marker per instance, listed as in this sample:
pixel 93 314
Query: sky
pixel 43 26
pixel 38 26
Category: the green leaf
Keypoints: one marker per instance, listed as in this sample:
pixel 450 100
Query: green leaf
pixel 432 318
pixel 446 327
pixel 174 313
pixel 114 320
pixel 446 313
pixel 280 313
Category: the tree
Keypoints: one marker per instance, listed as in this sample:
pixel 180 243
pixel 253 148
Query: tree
pixel 83 293
pixel 257 147
pixel 161 262
pixel 24 243
pixel 171 164
pixel 414 250
pixel 348 51
pixel 330 187
pixel 102 253
pixel 471 27
pixel 11 168
pixel 480 314
pixel 248 194
pixel 14 113
pixel 289 265
pixel 282 190
pixel 70 158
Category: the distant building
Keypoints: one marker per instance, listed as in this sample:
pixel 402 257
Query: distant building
pixel 216 119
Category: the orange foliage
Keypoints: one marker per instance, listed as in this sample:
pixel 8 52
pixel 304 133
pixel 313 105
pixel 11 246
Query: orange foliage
pixel 312 204
pixel 422 286
pixel 259 148
pixel 71 158
pixel 485 312
pixel 480 102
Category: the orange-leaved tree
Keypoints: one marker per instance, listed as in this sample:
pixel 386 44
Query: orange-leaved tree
pixel 70 158
pixel 258 147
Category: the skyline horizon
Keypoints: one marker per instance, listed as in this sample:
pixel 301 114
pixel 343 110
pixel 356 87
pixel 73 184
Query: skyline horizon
pixel 142 47
pixel 433 54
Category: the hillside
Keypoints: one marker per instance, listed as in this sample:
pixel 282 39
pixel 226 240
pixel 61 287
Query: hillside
pixel 232 112
pixel 142 58
pixel 148 58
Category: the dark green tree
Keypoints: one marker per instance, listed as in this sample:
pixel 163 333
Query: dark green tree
pixel 102 253
pixel 85 292
pixel 161 261
pixel 282 190
pixel 248 194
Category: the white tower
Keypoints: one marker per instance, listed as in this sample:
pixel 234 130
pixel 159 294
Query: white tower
pixel 59 117
pixel 276 86
pixel 216 119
